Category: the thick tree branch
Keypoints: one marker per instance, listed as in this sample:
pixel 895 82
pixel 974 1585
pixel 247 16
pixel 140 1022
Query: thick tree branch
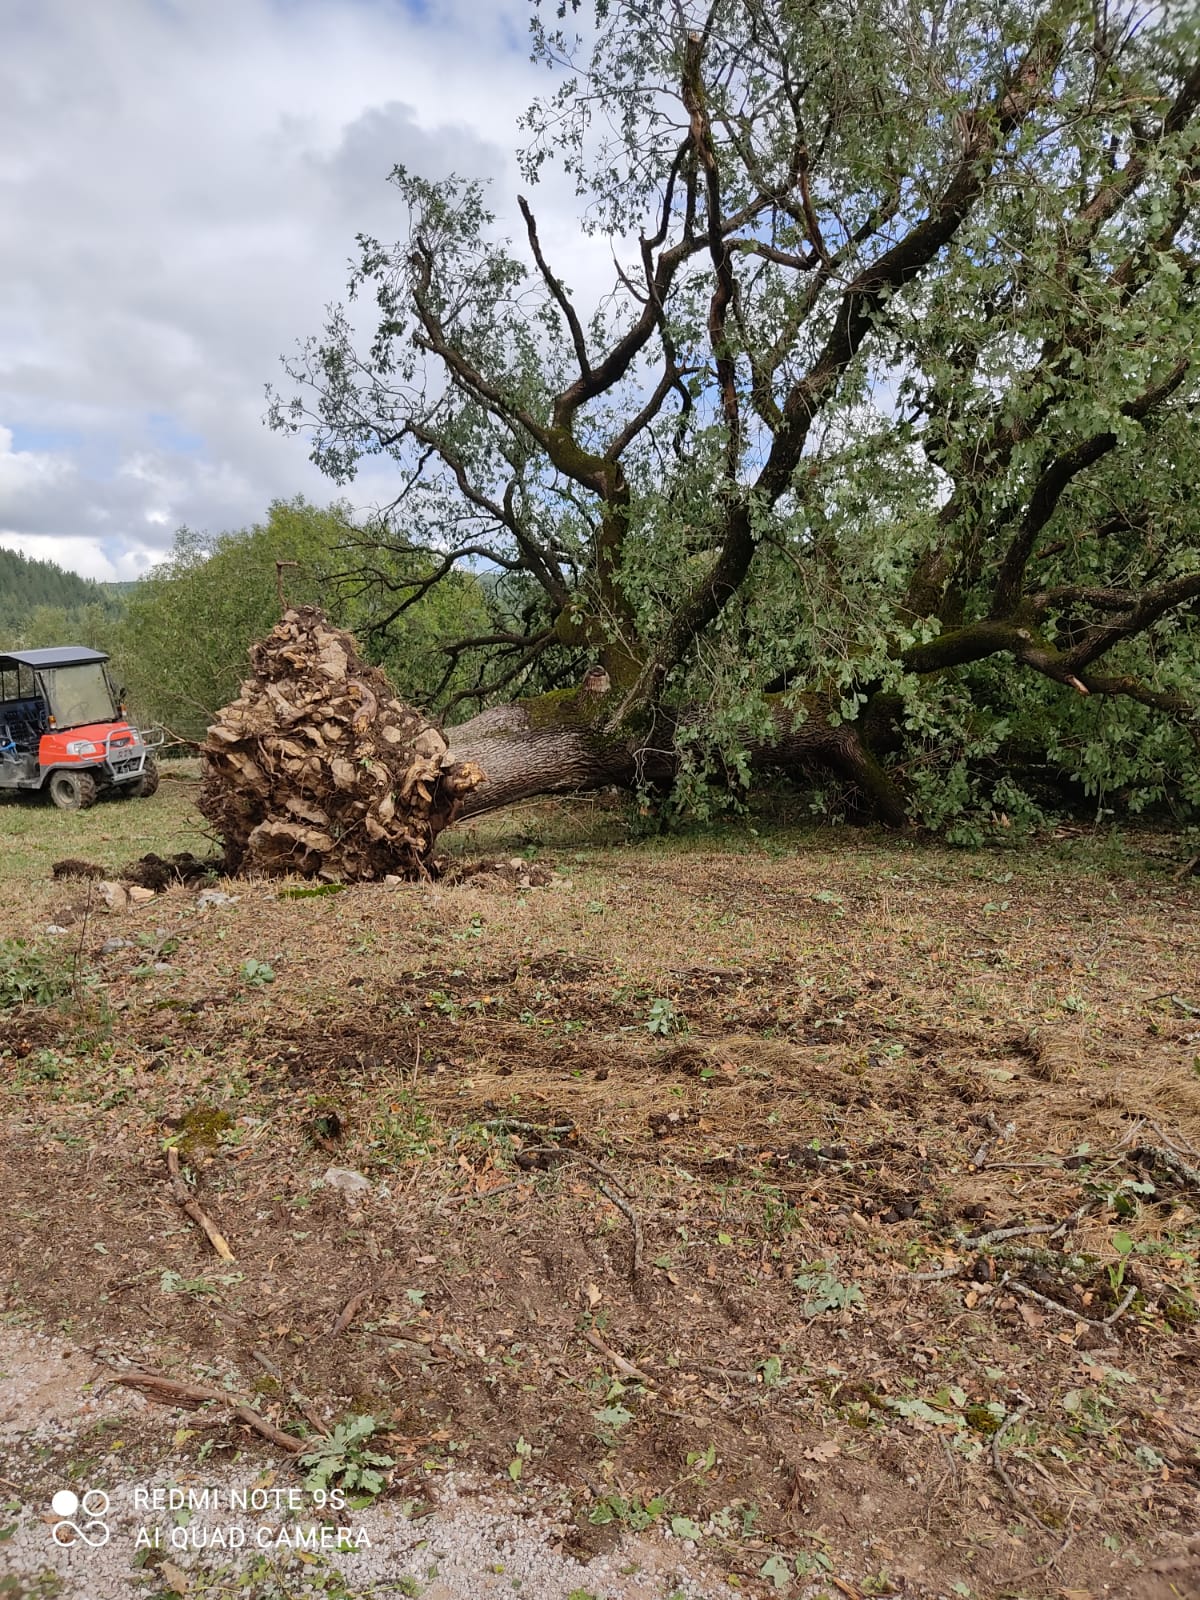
pixel 719 251
pixel 435 340
pixel 541 564
pixel 1054 479
pixel 1013 100
pixel 1099 640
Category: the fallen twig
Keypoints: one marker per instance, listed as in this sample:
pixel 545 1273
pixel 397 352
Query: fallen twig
pixel 1025 1166
pixel 609 1177
pixel 624 1207
pixel 999 1234
pixel 602 1181
pixel 516 1125
pixel 1043 1568
pixel 1056 1260
pixel 76 987
pixel 1152 1155
pixel 849 1590
pixel 170 1389
pixel 619 1363
pixel 482 1194
pixel 349 1311
pixel 297 1399
pixel 191 1207
pixel 1065 1311
pixel 1177 1142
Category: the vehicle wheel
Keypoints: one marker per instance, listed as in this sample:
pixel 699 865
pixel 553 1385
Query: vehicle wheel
pixel 146 785
pixel 72 791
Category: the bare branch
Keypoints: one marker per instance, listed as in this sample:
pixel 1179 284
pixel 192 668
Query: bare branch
pixel 560 294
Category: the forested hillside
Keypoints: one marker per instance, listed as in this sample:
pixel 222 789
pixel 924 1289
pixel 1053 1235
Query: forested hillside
pixel 30 589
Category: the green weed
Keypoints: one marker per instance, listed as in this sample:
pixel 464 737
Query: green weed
pixel 28 977
pixel 345 1461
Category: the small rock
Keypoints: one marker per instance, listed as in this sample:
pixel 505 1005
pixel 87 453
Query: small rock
pixel 111 946
pixel 347 1180
pixel 392 881
pixel 55 927
pixel 214 897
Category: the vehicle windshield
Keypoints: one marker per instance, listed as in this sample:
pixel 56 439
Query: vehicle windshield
pixel 78 695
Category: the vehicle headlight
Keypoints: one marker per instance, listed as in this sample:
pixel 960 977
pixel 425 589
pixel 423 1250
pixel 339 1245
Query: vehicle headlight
pixel 81 747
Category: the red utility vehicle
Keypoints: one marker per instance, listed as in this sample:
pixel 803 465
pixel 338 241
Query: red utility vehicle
pixel 63 729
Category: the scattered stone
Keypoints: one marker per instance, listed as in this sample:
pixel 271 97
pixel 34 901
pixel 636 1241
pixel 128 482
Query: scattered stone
pixel 214 897
pixel 119 897
pixel 347 1180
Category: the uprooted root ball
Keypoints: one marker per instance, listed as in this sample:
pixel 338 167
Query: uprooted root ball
pixel 318 769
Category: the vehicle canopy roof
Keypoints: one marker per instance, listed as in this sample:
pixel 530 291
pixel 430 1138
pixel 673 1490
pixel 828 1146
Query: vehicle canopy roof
pixel 62 655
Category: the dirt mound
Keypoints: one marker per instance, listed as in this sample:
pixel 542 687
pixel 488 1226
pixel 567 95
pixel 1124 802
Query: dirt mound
pixel 515 873
pixel 72 867
pixel 318 769
pixel 148 872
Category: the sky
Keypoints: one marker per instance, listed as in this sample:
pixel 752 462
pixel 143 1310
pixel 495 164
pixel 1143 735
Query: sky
pixel 181 182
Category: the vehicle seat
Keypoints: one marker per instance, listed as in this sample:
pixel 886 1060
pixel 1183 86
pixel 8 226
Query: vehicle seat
pixel 24 721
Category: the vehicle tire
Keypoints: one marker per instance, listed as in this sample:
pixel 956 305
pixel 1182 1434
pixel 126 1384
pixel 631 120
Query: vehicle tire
pixel 146 785
pixel 72 791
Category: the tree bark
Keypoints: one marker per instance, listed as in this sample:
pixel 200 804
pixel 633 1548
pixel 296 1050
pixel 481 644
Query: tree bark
pixel 558 744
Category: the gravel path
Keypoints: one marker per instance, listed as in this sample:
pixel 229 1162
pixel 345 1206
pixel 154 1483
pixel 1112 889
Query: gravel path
pixel 475 1544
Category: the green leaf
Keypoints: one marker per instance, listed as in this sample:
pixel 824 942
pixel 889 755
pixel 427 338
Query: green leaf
pixel 777 1570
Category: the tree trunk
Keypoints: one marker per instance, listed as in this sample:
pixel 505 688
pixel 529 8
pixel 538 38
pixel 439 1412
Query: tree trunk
pixel 556 744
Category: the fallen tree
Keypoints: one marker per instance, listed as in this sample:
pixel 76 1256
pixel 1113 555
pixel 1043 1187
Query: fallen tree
pixel 880 455
pixel 560 743
pixel 319 769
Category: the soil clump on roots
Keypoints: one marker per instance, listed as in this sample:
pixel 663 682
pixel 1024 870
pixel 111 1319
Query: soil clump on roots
pixel 318 769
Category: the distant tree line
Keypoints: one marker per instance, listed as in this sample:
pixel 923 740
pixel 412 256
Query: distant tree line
pixel 36 596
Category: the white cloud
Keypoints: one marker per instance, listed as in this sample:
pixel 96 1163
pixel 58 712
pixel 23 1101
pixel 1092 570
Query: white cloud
pixel 89 557
pixel 26 472
pixel 181 181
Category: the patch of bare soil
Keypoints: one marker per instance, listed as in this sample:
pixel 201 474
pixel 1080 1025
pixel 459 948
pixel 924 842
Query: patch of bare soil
pixel 844 1205
pixel 148 872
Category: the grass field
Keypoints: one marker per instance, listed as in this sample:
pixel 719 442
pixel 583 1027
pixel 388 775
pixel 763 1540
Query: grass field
pixel 836 1194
